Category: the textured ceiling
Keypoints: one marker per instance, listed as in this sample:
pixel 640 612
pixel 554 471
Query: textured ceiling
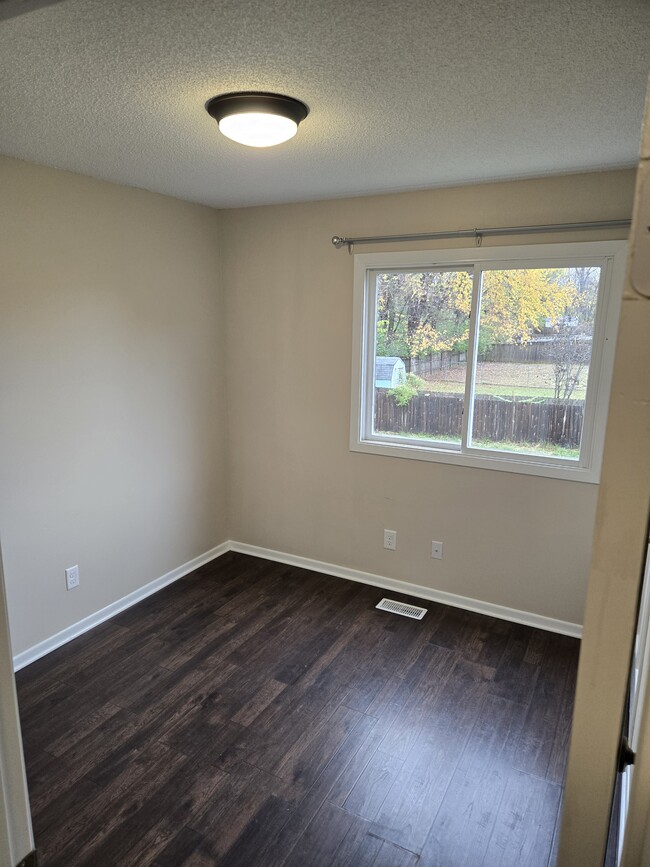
pixel 403 93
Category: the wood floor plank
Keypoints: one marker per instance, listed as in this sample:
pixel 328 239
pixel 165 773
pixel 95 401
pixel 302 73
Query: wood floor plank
pixel 525 825
pixel 82 728
pixel 113 745
pixel 556 770
pixel 349 777
pixel 364 855
pixel 208 742
pixel 251 845
pixel 251 707
pixel 454 628
pixel 292 716
pixel 392 856
pixel 232 807
pixel 260 612
pixel 147 831
pixel 190 635
pixel 82 757
pixel 487 640
pixel 65 662
pixel 307 697
pixel 463 826
pixel 412 803
pixel 277 632
pixel 66 707
pixel 254 713
pixel 424 668
pixel 515 677
pixel 315 747
pixel 79 832
pixel 389 695
pixel 537 736
pixel 552 859
pixel 290 666
pixel 349 846
pixel 416 713
pixel 282 839
pixel 179 849
pixel 69 802
pixel 372 786
pixel 181 686
pixel 322 838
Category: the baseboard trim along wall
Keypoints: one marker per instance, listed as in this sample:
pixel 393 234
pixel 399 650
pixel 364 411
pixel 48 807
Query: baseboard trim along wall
pixel 550 624
pixel 77 629
pixel 501 611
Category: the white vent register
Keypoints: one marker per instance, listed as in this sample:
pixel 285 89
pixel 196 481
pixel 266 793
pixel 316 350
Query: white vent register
pixel 400 608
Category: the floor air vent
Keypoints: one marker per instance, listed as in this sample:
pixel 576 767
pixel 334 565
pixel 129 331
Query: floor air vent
pixel 400 608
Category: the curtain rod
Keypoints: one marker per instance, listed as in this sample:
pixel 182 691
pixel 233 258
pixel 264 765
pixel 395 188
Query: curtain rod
pixel 479 234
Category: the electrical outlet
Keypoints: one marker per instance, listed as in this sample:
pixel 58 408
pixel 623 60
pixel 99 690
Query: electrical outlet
pixel 436 550
pixel 390 539
pixel 72 577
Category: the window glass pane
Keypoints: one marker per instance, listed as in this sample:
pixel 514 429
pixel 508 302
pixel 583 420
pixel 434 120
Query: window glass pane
pixel 535 337
pixel 420 364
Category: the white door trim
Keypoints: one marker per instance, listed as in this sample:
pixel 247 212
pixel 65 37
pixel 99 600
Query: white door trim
pixel 16 838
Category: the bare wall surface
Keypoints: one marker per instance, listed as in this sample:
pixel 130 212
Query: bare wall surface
pixel 294 486
pixel 112 392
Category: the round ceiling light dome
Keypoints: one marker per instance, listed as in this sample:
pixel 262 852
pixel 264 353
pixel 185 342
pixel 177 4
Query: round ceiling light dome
pixel 257 119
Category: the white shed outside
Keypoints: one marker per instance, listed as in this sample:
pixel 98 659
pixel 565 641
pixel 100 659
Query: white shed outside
pixel 389 372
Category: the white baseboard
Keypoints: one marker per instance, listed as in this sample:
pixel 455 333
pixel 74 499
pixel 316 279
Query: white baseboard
pixel 50 644
pixel 501 611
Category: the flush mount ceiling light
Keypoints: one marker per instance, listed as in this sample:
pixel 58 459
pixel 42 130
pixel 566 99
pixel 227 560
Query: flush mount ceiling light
pixel 259 120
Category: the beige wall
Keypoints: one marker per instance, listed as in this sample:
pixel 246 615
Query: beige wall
pixel 514 540
pixel 113 357
pixel 112 392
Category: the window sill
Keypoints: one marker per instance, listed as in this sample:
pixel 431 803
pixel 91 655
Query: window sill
pixel 529 466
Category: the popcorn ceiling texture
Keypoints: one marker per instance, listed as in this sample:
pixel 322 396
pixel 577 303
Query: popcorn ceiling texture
pixel 403 93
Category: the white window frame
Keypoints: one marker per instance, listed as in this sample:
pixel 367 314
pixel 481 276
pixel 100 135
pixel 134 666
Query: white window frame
pixel 609 255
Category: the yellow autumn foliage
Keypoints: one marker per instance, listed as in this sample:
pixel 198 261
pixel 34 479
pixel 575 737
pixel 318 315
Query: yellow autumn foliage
pixel 429 311
pixel 515 302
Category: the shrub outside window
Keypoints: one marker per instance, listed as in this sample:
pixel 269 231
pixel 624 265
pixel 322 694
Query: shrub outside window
pixel 496 357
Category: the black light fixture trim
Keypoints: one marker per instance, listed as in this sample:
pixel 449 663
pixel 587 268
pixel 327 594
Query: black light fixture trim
pixel 256 101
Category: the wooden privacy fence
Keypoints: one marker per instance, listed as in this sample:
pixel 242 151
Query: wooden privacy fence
pixel 535 352
pixel 426 365
pixel 495 418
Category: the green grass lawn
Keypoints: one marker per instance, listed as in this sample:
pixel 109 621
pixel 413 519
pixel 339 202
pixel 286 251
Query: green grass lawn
pixel 502 379
pixel 541 449
pixel 500 390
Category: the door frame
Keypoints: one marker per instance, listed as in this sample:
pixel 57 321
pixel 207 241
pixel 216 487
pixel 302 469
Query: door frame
pixel 636 839
pixel 16 837
pixel 617 565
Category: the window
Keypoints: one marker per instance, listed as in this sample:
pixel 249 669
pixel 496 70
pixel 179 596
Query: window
pixel 495 357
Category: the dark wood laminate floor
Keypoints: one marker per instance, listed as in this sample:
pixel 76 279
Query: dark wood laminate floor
pixel 258 714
